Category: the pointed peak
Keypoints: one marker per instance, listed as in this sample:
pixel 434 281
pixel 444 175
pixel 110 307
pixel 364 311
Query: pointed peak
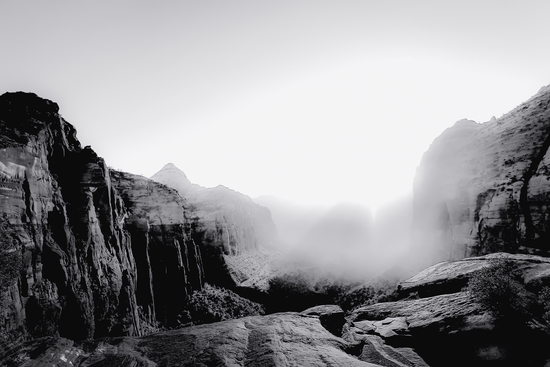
pixel 172 167
pixel 169 166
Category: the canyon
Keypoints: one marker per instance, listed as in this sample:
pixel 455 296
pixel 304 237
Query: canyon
pixel 102 263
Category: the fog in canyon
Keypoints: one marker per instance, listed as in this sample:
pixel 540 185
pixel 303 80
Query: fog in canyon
pixel 319 111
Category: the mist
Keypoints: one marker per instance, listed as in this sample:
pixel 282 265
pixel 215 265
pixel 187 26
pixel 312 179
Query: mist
pixel 348 241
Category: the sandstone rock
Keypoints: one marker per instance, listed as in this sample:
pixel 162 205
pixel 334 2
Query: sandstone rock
pixel 330 316
pixel 231 219
pixel 445 325
pixel 169 262
pixel 237 234
pixel 78 275
pixel 483 188
pixel 452 276
pixel 277 340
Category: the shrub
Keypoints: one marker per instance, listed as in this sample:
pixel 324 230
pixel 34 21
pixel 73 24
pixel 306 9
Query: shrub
pixel 499 288
pixel 213 304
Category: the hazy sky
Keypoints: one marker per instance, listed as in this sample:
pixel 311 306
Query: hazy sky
pixel 313 101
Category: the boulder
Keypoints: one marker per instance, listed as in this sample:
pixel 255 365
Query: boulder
pixel 330 316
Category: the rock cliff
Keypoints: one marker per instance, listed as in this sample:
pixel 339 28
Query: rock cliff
pixel 78 274
pixel 483 188
pixel 101 251
pixel 231 219
pixel 234 228
pixel 169 261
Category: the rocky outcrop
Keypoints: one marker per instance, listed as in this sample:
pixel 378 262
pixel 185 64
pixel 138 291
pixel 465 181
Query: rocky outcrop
pixel 78 275
pixel 483 188
pixel 280 340
pixel 443 323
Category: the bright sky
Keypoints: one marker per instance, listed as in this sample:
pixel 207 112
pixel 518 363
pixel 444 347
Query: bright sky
pixel 313 101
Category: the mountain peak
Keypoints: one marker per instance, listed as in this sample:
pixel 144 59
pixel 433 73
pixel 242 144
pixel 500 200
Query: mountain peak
pixel 172 176
pixel 171 167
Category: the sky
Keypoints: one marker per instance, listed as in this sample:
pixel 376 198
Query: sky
pixel 312 101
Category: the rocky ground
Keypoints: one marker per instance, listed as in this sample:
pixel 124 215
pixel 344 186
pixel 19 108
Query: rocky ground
pixel 435 322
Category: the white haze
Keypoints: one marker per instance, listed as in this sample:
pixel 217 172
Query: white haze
pixel 316 102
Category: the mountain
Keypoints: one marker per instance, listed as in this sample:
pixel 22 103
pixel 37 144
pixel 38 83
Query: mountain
pixel 85 251
pixel 233 226
pixel 483 188
pixel 231 218
pixel 92 259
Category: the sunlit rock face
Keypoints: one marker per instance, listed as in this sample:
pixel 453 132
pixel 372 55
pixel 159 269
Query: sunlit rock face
pixel 79 274
pixel 231 223
pixel 483 188
pixel 169 261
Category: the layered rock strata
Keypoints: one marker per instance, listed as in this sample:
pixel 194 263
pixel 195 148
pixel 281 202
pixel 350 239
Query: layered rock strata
pixel 101 252
pixel 237 234
pixel 78 276
pixel 169 261
pixel 483 188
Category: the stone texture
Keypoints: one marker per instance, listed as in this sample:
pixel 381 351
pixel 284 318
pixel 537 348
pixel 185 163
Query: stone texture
pixel 238 236
pixel 276 340
pixel 231 219
pixel 483 188
pixel 330 316
pixel 452 276
pixel 169 261
pixel 78 276
pixel 439 321
pixel 102 250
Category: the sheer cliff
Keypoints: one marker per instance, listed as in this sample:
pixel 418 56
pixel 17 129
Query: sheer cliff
pixel 483 188
pixel 237 233
pixel 100 251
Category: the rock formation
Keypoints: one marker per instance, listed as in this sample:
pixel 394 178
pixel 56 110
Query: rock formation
pixel 237 233
pixel 445 325
pixel 101 251
pixel 433 323
pixel 79 274
pixel 483 188
pixel 169 261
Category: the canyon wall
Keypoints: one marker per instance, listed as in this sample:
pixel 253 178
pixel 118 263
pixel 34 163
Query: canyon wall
pixel 91 252
pixel 483 188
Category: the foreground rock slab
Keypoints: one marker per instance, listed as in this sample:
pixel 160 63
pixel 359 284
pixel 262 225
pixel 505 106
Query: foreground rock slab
pixel 286 339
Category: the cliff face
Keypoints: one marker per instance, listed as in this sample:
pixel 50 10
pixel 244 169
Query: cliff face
pixel 483 188
pixel 163 245
pixel 78 275
pixel 92 260
pixel 231 219
pixel 232 226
